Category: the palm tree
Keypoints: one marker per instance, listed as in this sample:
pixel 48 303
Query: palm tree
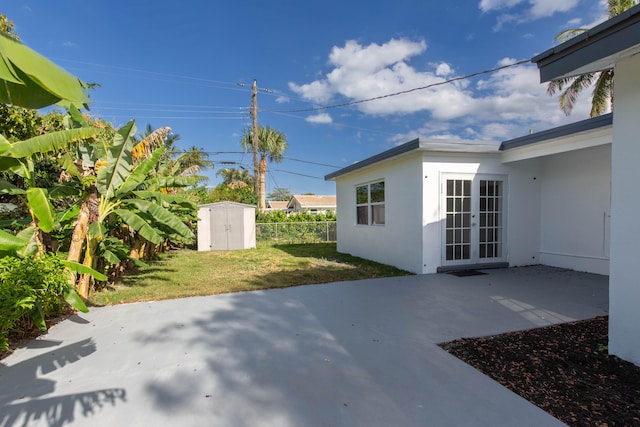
pixel 571 87
pixel 192 161
pixel 272 145
pixel 230 175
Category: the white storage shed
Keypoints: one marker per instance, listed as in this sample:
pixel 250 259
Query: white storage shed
pixel 226 226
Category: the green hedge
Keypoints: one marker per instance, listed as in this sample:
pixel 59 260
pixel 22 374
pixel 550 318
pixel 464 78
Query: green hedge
pixel 280 216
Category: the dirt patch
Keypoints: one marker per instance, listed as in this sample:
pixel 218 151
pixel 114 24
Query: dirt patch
pixel 564 369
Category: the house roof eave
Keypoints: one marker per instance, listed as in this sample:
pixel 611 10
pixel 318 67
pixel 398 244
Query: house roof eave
pixel 419 144
pixel 558 132
pixel 594 50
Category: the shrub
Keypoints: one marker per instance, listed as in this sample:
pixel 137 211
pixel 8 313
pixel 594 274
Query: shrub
pixel 30 287
pixel 281 216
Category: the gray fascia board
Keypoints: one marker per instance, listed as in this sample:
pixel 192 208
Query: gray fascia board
pixel 393 152
pixel 604 40
pixel 558 132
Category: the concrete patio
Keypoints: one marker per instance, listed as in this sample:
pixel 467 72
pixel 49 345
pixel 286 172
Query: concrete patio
pixel 343 354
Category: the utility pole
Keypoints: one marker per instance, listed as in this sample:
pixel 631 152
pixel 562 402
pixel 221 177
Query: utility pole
pixel 254 141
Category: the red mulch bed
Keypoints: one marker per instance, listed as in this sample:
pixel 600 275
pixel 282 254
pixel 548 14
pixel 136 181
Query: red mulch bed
pixel 564 369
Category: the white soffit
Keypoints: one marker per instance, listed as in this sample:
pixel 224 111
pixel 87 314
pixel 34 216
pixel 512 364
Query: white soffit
pixel 564 144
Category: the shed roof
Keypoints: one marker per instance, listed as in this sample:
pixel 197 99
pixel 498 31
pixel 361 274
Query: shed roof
pixel 420 144
pixel 594 50
pixel 226 203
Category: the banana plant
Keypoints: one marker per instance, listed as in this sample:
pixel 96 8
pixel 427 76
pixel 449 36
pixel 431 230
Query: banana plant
pixel 18 158
pixel 118 183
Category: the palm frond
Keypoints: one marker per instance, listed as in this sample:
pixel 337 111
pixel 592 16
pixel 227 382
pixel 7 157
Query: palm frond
pixel 191 170
pixel 602 93
pixel 569 34
pixel 570 95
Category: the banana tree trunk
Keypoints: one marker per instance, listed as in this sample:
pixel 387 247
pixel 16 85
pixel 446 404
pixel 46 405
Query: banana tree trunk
pixel 136 251
pixel 88 213
pixel 86 280
pixel 263 170
pixel 37 236
pixel 79 234
pixel 149 249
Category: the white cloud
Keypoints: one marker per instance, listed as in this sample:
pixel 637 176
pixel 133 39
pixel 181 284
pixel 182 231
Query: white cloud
pixel 501 105
pixel 487 5
pixel 521 11
pixel 544 8
pixel 317 91
pixel 356 67
pixel 322 118
pixel 443 70
pixel 574 23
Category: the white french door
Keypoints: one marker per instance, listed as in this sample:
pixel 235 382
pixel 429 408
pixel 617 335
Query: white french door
pixel 473 219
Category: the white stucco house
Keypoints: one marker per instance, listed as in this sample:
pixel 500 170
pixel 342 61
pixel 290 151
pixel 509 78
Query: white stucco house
pixel 434 205
pixel 565 197
pixel 615 44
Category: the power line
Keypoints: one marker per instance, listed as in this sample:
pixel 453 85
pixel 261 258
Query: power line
pixel 147 72
pixel 299 174
pixel 215 153
pixel 162 110
pixel 142 104
pixel 176 117
pixel 375 98
pixel 313 163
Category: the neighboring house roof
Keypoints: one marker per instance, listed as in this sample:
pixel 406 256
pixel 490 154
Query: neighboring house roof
pixel 277 204
pixel 313 202
pixel 594 50
pixel 421 144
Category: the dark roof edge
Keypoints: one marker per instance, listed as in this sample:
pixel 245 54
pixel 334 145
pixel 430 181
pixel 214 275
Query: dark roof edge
pixel 395 151
pixel 571 128
pixel 587 35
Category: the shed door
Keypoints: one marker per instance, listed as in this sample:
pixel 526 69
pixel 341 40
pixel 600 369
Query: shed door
pixel 219 238
pixel 227 229
pixel 235 233
pixel 473 219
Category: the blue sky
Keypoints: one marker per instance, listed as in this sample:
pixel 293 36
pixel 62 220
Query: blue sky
pixel 189 65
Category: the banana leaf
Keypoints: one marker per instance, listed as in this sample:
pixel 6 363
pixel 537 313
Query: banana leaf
pixel 139 174
pixel 119 161
pixel 78 268
pixel 161 215
pixel 9 242
pixel 52 141
pixel 167 198
pixel 30 80
pixel 8 188
pixel 43 209
pixel 140 225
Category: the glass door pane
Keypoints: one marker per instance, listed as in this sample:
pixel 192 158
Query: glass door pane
pixel 490 227
pixel 458 220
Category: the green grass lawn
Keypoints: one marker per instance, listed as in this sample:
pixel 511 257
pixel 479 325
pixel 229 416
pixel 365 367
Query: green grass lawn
pixel 187 273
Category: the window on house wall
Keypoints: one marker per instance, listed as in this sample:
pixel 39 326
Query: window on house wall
pixel 370 204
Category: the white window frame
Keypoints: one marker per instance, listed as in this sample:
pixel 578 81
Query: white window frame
pixel 370 205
